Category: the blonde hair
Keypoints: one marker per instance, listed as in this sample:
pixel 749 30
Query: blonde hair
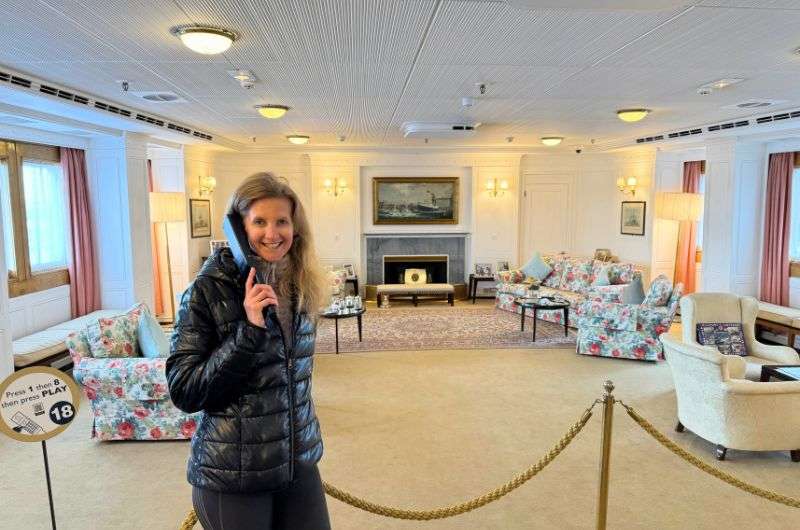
pixel 306 275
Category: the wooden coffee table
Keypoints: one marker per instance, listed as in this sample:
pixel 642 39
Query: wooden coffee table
pixel 542 304
pixel 780 372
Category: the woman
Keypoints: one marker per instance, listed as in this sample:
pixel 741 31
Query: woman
pixel 253 461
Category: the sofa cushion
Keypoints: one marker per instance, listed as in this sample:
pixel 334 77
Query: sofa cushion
pixel 557 263
pixel 153 342
pixel 600 275
pixel 728 337
pixel 577 276
pixel 620 273
pixel 115 336
pixel 633 293
pixel 537 268
pixel 659 292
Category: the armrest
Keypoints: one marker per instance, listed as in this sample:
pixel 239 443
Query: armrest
pixel 135 378
pixel 512 276
pixel 734 365
pixel 777 354
pixel 743 386
pixel 607 315
pixel 655 320
pixel 605 293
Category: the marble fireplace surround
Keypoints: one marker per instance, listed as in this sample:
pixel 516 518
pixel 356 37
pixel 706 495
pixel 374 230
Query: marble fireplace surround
pixel 453 245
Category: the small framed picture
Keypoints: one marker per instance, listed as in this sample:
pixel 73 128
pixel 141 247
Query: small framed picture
pixel 218 243
pixel 502 266
pixel 200 217
pixel 483 269
pixel 351 273
pixel 632 218
pixel 602 254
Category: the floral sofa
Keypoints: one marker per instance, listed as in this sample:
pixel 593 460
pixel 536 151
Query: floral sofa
pixel 628 331
pixel 128 393
pixel 571 279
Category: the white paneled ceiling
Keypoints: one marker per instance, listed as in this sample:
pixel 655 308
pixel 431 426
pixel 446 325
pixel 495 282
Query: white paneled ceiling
pixel 360 68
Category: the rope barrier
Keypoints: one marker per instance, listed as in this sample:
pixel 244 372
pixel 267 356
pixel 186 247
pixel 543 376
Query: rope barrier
pixel 702 466
pixel 457 509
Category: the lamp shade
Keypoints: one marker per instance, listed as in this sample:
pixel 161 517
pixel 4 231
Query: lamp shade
pixel 680 206
pixel 167 207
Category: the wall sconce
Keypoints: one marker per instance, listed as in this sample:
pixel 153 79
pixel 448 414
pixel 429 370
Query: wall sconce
pixel 627 186
pixel 206 185
pixel 335 190
pixel 496 187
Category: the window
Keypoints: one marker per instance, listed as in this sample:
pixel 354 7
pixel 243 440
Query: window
pixel 794 220
pixel 34 201
pixel 701 189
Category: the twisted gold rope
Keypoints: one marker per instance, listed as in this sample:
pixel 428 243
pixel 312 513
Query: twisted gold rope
pixel 711 470
pixel 457 509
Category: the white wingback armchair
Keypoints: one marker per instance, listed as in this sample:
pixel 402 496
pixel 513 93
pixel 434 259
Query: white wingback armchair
pixel 729 412
pixel 725 307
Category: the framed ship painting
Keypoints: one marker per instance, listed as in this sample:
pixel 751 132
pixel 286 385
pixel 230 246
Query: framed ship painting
pixel 414 200
pixel 632 218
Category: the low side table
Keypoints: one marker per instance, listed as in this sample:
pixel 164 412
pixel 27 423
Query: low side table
pixel 538 305
pixel 769 371
pixel 348 314
pixel 473 284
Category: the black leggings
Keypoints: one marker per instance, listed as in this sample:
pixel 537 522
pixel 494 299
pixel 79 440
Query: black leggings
pixel 301 506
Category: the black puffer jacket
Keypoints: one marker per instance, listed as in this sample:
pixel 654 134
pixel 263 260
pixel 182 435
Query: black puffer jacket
pixel 259 421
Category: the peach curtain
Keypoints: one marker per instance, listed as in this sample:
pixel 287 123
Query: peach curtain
pixel 685 262
pixel 775 258
pixel 159 302
pixel 84 286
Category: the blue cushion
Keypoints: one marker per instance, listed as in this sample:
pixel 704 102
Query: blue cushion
pixel 633 293
pixel 537 268
pixel 602 277
pixel 152 341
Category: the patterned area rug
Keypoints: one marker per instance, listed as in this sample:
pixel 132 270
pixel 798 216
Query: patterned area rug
pixel 439 328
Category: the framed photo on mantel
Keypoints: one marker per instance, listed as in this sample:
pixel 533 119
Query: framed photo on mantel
pixel 414 200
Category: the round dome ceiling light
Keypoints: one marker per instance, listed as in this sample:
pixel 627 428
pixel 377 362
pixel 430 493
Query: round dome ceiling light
pixel 273 112
pixel 205 39
pixel 298 139
pixel 631 115
pixel 551 141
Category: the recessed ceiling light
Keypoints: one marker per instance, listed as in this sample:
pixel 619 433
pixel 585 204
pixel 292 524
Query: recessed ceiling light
pixel 207 40
pixel 273 112
pixel 298 139
pixel 631 115
pixel 550 141
pixel 722 83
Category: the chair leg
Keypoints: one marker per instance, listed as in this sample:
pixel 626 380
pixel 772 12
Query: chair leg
pixel 721 451
pixel 679 427
pixel 795 455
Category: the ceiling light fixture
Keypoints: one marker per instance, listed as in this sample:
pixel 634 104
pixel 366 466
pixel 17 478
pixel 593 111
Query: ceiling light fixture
pixel 298 139
pixel 631 115
pixel 207 40
pixel 722 83
pixel 273 112
pixel 551 141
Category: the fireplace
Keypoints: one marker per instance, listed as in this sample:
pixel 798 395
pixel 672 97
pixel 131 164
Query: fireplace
pixel 394 267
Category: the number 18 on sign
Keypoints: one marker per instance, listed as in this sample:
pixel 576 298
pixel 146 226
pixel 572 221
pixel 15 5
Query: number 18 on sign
pixel 37 404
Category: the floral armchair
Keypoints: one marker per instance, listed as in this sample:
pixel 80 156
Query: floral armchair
pixel 128 393
pixel 628 331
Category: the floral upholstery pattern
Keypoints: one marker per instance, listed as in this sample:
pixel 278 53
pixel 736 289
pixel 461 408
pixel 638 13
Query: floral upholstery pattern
pixel 128 395
pixel 577 276
pixel 621 273
pixel 115 336
pixel 576 272
pixel 627 331
pixel 659 292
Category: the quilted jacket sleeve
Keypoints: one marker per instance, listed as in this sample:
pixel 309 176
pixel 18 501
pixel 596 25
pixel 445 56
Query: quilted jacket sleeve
pixel 199 375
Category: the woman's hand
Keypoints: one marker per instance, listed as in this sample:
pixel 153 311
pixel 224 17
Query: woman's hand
pixel 257 296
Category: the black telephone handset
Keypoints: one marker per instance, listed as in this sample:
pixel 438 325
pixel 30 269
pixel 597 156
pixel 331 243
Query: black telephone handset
pixel 242 253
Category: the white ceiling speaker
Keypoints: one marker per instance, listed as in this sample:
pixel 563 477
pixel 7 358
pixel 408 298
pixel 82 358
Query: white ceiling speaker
pixel 416 129
pixel 158 97
pixel 598 5
pixel 467 102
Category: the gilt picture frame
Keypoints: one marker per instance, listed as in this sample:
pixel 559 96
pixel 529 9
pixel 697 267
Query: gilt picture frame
pixel 415 200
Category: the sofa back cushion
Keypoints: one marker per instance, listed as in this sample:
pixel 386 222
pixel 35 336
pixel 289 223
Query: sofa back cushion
pixel 115 336
pixel 620 273
pixel 78 346
pixel 633 293
pixel 659 292
pixel 557 263
pixel 577 275
pixel 728 337
pixel 151 338
pixel 537 268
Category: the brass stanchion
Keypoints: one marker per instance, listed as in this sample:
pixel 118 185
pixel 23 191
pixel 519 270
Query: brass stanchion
pixel 605 460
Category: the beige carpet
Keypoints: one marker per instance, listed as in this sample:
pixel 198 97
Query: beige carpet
pixel 425 429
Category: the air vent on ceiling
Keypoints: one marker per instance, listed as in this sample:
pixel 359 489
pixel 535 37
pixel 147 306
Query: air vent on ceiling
pixel 159 97
pixel 5 77
pixel 150 119
pixel 178 128
pixel 112 109
pixel 729 125
pixel 20 81
pixel 63 94
pixel 754 104
pixel 415 129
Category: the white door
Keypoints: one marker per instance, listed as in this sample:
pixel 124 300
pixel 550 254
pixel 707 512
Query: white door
pixel 546 218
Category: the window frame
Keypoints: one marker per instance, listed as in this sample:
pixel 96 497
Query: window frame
pixel 23 281
pixel 794 265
